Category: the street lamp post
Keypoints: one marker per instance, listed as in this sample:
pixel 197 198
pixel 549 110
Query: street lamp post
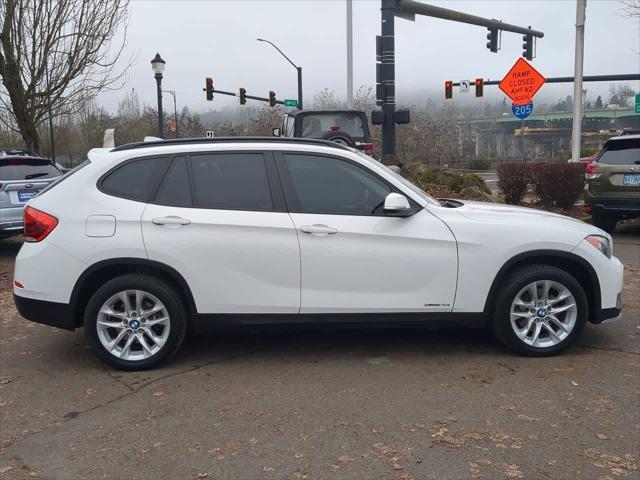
pixel 175 109
pixel 299 69
pixel 157 65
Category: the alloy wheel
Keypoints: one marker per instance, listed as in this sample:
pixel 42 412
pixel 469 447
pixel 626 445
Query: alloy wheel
pixel 543 314
pixel 133 325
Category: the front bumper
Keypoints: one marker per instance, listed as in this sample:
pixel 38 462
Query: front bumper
pixel 54 314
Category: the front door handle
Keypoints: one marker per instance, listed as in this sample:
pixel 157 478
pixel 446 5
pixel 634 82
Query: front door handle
pixel 319 229
pixel 170 220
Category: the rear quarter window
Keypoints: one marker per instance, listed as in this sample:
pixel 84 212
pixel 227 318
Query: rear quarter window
pixel 135 179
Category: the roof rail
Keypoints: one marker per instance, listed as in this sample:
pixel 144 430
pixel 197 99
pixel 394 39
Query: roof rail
pixel 197 141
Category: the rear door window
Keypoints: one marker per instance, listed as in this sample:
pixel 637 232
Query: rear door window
pixel 175 190
pixel 231 181
pixel 621 152
pixel 137 179
pixel 26 169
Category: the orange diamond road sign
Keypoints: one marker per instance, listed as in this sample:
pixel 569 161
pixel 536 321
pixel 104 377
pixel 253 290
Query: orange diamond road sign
pixel 522 82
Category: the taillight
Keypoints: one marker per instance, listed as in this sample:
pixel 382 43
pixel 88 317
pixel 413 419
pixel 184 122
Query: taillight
pixel 368 148
pixel 592 172
pixel 37 224
pixel 587 208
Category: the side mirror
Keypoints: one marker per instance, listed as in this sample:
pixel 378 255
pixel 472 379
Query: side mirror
pixel 396 205
pixel 276 132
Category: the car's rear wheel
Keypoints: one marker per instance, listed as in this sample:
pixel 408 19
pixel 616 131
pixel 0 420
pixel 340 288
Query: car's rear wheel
pixel 540 310
pixel 135 322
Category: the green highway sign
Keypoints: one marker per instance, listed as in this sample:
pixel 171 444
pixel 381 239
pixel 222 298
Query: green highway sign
pixel 637 102
pixel 290 103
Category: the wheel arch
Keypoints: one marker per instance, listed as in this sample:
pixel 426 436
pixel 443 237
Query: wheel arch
pixel 571 263
pixel 98 273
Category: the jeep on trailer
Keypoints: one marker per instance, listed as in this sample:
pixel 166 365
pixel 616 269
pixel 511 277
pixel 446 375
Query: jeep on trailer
pixel 347 127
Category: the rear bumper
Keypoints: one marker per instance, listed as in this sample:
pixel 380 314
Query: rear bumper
pixel 11 221
pixel 11 228
pixel 607 315
pixel 620 205
pixel 54 314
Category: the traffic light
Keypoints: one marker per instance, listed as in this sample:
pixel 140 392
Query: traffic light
pixel 479 87
pixel 209 88
pixel 243 96
pixel 448 89
pixel 527 47
pixel 492 36
pixel 272 98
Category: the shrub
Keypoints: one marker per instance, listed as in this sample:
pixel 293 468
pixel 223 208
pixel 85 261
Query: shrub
pixel 557 184
pixel 441 182
pixel 513 179
pixel 479 164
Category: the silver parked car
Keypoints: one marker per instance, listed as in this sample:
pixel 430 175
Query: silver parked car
pixel 21 178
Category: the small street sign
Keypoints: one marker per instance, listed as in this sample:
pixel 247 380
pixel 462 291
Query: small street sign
pixel 290 103
pixel 521 82
pixel 522 111
pixel 210 134
pixel 637 102
pixel 464 86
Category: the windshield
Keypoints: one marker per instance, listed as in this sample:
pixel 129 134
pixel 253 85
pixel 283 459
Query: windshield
pixel 421 193
pixel 26 169
pixel 317 125
pixel 621 152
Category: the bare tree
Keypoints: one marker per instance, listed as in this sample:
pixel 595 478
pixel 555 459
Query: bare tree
pixel 619 94
pixel 54 56
pixel 267 119
pixel 365 99
pixel 326 99
pixel 631 7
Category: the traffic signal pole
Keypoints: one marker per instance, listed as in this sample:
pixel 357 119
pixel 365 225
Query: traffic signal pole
pixel 587 78
pixel 388 81
pixel 576 129
pixel 408 9
pixel 249 97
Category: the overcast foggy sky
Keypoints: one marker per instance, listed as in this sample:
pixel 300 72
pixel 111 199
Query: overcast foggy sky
pixel 218 38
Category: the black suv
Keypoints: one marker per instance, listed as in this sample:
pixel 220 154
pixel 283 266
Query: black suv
pixel 347 127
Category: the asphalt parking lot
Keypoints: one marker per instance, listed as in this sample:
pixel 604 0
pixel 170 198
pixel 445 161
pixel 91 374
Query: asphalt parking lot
pixel 374 404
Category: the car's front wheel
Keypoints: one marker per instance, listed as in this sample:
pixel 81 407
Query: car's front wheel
pixel 135 322
pixel 540 310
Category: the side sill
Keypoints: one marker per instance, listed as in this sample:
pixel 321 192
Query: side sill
pixel 229 321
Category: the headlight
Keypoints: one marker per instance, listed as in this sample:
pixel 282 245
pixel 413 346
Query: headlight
pixel 601 243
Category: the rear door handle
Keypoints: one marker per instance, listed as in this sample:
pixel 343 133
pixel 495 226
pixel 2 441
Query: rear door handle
pixel 170 220
pixel 319 229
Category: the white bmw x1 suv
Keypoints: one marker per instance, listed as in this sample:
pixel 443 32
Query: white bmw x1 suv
pixel 143 241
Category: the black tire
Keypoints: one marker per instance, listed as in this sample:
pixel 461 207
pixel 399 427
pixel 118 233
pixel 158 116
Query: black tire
pixel 604 221
pixel 156 287
pixel 340 137
pixel 512 285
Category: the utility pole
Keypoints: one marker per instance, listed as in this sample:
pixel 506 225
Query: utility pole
pixel 175 108
pixel 349 53
pixel 581 6
pixel 299 69
pixel 51 137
